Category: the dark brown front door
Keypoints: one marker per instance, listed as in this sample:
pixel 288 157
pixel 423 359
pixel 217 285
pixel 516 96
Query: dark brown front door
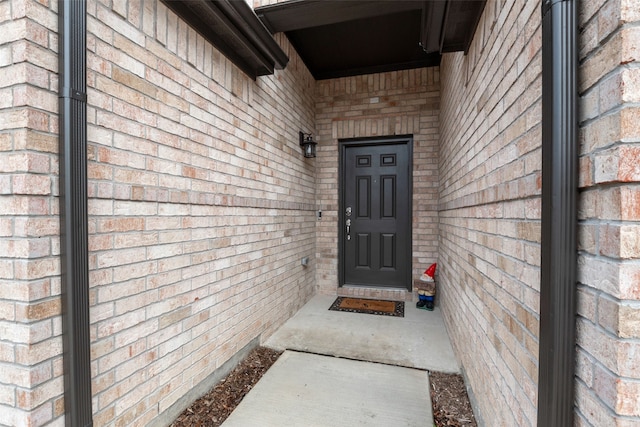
pixel 375 217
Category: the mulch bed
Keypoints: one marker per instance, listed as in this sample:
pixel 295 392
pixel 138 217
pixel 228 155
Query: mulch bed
pixel 451 405
pixel 214 407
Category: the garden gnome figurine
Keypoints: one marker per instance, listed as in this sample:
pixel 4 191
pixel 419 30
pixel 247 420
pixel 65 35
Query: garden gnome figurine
pixel 427 288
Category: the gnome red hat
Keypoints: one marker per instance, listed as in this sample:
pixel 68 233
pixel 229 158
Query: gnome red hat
pixel 431 271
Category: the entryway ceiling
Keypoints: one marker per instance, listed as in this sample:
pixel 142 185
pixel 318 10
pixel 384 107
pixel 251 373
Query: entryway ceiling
pixel 338 38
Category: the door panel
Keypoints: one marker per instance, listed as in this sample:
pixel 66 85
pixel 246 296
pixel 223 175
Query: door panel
pixel 388 197
pixel 363 252
pixel 388 251
pixel 376 213
pixel 363 197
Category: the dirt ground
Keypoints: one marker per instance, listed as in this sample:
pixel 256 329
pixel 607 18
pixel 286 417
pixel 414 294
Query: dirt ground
pixel 451 405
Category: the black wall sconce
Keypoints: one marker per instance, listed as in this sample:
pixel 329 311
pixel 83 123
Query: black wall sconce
pixel 308 144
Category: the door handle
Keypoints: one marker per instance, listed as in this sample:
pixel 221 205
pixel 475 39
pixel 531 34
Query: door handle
pixel 348 222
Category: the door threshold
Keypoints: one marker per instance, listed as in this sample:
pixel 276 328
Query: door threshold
pixel 373 292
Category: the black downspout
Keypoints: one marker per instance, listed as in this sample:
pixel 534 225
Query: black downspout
pixel 72 25
pixel 559 214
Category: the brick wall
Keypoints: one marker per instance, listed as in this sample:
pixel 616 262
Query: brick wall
pixel 490 187
pixel 395 103
pixel 30 326
pixel 490 209
pixel 608 326
pixel 200 208
pixel 201 205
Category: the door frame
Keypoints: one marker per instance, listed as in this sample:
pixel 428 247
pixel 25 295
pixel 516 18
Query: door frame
pixel 343 144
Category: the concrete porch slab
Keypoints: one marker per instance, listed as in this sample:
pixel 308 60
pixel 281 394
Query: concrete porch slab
pixel 419 340
pixel 309 390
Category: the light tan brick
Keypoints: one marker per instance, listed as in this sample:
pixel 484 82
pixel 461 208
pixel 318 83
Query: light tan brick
pixel 629 11
pixel 621 48
pixel 38 311
pixel 629 321
pixel 628 398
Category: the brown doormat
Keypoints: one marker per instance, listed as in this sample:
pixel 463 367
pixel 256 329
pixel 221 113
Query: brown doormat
pixel 368 306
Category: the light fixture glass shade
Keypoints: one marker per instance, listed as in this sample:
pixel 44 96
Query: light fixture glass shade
pixel 310 149
pixel 308 145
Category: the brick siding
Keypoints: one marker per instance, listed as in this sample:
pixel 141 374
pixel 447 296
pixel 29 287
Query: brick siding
pixel 608 325
pixel 490 210
pixel 490 187
pixel 200 208
pixel 31 384
pixel 386 104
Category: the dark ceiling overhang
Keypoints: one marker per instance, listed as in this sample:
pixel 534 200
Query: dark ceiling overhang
pixel 338 38
pixel 234 29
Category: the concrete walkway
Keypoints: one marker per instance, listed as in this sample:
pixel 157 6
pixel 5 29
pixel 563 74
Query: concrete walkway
pixel 417 340
pixel 308 390
pixel 325 377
